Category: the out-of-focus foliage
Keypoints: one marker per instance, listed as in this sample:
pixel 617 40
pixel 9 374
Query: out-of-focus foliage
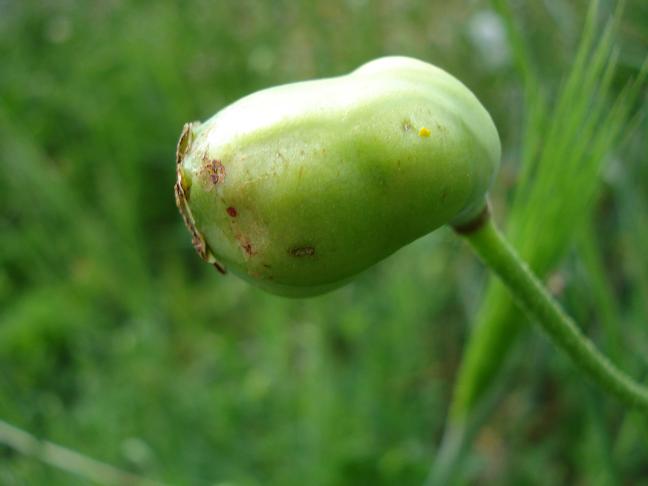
pixel 117 341
pixel 570 133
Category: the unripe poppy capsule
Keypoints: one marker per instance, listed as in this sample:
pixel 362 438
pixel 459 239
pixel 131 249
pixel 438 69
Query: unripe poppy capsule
pixel 300 187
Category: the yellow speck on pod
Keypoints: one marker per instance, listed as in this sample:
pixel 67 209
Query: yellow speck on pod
pixel 424 132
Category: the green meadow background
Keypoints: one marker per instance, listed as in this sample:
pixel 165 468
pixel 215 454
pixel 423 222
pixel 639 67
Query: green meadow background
pixel 118 342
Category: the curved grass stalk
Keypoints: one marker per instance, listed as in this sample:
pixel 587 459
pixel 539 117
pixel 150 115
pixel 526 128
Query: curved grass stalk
pixel 68 460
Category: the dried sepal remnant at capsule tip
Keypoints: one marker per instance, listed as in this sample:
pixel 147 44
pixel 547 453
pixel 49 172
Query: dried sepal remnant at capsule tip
pixel 181 190
pixel 197 239
pixel 184 143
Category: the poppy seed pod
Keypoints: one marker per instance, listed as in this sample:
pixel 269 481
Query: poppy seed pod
pixel 300 187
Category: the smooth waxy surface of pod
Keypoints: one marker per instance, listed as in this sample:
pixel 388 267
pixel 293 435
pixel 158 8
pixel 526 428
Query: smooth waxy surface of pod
pixel 299 187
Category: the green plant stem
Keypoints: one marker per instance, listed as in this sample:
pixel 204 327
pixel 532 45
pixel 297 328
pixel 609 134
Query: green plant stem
pixel 493 248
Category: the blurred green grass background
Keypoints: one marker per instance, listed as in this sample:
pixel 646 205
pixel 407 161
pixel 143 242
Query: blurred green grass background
pixel 118 342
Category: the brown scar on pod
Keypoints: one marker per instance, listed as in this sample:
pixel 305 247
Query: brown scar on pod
pixel 182 191
pixel 302 251
pixel 212 172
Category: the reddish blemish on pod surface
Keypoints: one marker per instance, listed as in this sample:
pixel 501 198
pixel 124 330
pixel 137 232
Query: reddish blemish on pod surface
pixel 232 212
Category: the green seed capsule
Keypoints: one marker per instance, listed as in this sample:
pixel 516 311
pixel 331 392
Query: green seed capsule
pixel 300 187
